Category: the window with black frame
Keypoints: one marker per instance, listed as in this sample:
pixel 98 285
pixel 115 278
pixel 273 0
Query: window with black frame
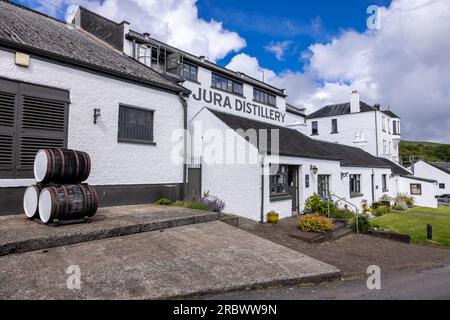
pixel 190 72
pixel 223 83
pixel 384 182
pixel 135 125
pixel 355 185
pixel 323 186
pixel 264 97
pixel 279 181
pixel 334 126
pixel 416 189
pixel 314 128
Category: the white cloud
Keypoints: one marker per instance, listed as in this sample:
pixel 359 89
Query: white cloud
pixel 404 65
pixel 278 48
pixel 173 21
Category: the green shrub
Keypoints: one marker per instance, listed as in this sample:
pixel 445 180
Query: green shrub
pixel 196 205
pixel 315 223
pixel 343 214
pixel 376 204
pixel 404 200
pixel 164 202
pixel 315 204
pixel 400 207
pixel 381 211
pixel 363 224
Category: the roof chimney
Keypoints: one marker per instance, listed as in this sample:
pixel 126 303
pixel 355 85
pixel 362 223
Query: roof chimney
pixel 377 106
pixel 354 102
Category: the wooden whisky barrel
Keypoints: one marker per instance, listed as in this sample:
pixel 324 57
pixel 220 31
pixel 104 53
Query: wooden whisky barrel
pixel 61 166
pixel 31 200
pixel 67 202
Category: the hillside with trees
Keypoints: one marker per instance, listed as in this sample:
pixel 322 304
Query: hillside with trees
pixel 428 151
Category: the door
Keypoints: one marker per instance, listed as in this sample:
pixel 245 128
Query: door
pixel 194 185
pixel 31 118
pixel 293 187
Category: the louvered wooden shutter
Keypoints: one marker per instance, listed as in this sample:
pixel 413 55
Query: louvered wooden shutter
pixel 31 118
pixel 42 124
pixel 8 116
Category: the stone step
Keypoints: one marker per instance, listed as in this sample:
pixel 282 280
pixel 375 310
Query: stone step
pixel 22 235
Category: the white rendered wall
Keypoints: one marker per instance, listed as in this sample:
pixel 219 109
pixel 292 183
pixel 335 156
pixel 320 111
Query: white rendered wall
pixel 392 141
pixel 424 170
pixel 238 185
pixel 348 125
pixel 296 122
pixel 429 191
pixel 362 122
pixel 112 162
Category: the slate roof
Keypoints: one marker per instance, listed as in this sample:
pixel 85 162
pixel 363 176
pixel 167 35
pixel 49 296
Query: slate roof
pixel 295 110
pixel 294 143
pixel 444 166
pixel 338 110
pixel 33 32
pixel 189 57
pixel 396 168
pixel 390 114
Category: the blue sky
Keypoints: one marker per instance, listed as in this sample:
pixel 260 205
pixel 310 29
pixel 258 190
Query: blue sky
pixel 301 23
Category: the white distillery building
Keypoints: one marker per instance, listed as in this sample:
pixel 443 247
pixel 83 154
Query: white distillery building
pixel 124 114
pixel 227 101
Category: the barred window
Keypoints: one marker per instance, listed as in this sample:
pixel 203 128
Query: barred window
pixel 135 125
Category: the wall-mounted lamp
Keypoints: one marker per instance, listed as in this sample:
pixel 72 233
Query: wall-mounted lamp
pixel 314 169
pixel 344 175
pixel 96 114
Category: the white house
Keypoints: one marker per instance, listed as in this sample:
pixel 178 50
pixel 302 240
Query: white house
pixel 423 190
pixel 439 171
pixel 360 125
pixel 61 87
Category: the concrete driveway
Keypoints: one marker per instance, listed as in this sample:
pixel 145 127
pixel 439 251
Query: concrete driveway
pixel 201 258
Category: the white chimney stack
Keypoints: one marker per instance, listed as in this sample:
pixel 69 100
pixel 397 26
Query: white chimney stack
pixel 354 102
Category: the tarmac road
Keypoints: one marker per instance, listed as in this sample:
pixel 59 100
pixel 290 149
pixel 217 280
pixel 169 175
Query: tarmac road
pixel 416 283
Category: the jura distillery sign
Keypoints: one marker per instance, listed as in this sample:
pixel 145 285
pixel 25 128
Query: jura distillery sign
pixel 238 104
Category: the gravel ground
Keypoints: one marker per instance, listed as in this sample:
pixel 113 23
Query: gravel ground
pixel 354 253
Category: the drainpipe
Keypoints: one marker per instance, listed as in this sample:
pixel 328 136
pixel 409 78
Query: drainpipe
pixel 376 133
pixel 185 142
pixel 262 190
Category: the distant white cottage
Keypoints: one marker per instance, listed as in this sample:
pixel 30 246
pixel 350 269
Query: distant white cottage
pixel 439 171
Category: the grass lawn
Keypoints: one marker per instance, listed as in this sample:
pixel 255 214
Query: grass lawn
pixel 416 227
pixel 441 210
